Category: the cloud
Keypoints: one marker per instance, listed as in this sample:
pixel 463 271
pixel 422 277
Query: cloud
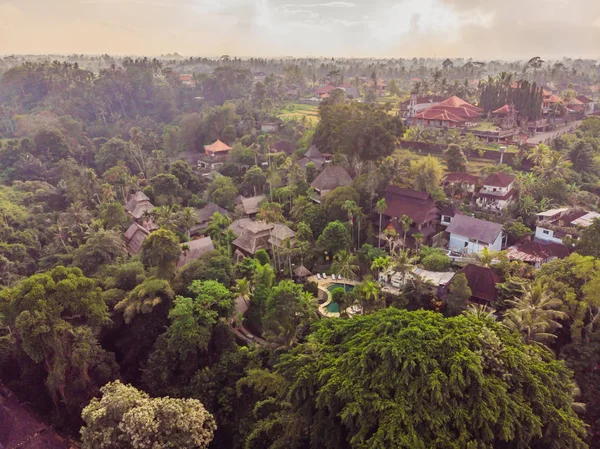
pixel 483 29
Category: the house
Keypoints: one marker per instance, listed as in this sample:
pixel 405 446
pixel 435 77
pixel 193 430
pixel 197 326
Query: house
pixel 251 206
pixel 138 205
pixel 331 178
pixel 497 192
pixel 460 182
pixel 217 149
pixel 469 235
pixel 556 224
pixel 448 212
pixel 20 428
pixel 315 156
pixel 419 207
pixel 279 234
pixel 588 104
pixel 252 235
pixel 550 102
pixel 504 111
pixel 259 77
pixel 269 127
pixel 204 215
pixel 482 282
pixel 283 146
pixel 537 252
pixel 417 104
pixel 193 249
pixel 450 113
pixel 437 279
pixel 187 80
pixel 134 238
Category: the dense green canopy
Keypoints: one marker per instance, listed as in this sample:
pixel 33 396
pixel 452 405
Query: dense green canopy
pixel 418 380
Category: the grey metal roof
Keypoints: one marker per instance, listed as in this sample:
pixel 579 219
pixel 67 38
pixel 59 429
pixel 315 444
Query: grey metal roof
pixel 474 228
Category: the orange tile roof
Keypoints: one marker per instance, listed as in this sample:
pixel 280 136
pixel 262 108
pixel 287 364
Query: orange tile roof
pixel 217 147
pixel 553 99
pixel 503 110
pixel 439 114
pixel 457 102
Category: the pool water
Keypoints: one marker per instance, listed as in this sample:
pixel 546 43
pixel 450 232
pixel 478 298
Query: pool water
pixel 332 287
pixel 333 307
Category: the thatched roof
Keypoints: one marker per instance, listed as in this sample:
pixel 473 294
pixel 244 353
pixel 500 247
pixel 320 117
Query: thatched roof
pixel 332 177
pixel 195 249
pixel 302 272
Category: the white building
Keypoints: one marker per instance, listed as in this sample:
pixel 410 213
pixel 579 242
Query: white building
pixel 497 192
pixel 469 235
pixel 556 224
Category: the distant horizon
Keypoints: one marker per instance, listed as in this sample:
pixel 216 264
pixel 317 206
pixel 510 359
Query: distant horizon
pixel 246 57
pixel 507 30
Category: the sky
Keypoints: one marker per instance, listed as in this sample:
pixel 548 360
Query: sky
pixel 484 29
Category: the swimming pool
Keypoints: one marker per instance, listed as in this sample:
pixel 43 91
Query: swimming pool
pixel 332 287
pixel 333 307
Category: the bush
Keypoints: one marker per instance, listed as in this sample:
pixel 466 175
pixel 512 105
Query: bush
pixel 436 262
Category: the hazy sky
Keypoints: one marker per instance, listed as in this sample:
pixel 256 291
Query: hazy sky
pixel 403 28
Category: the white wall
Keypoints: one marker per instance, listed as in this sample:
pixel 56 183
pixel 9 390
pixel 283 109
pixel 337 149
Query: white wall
pixel 461 244
pixel 549 236
pixel 497 190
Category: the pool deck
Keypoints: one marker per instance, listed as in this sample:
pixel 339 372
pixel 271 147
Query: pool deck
pixel 323 284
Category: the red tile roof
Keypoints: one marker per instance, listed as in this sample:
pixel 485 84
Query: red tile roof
pixel 457 102
pixel 498 180
pixel 552 99
pixel 217 147
pixel 439 114
pixel 185 78
pixel 537 251
pixel 482 282
pixel 503 110
pixel 326 90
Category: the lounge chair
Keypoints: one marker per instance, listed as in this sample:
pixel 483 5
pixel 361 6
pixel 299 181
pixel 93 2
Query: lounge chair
pixel 340 277
pixel 318 276
pixel 324 275
pixel 333 277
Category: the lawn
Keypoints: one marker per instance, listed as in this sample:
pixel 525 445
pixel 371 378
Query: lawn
pixel 297 110
pixel 485 126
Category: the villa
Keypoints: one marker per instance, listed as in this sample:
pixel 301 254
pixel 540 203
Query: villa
pixel 497 192
pixel 469 235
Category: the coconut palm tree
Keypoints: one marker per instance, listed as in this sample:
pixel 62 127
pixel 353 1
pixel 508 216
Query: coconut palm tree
pixel 380 208
pixel 403 263
pixel 405 222
pixel 480 311
pixel 539 155
pixel 345 264
pixel 534 316
pixel 382 265
pixel 350 207
pixel 243 288
pixel 187 219
pixel 556 167
pixel 371 291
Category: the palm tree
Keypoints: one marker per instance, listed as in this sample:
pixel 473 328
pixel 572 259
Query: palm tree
pixel 405 222
pixel 534 316
pixel 371 291
pixel 187 219
pixel 486 257
pixel 243 288
pixel 383 265
pixel 380 208
pixel 403 262
pixel 539 155
pixel 480 311
pixel 350 207
pixel 556 167
pixel 345 264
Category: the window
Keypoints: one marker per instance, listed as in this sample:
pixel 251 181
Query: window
pixel 466 244
pixel 545 231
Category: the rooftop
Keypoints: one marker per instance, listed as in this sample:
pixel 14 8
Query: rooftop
pixel 332 177
pixel 499 179
pixel 217 147
pixel 195 249
pixel 474 228
pixel 482 282
pixel 418 206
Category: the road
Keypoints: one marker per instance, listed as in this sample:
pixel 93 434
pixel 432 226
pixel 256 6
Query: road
pixel 548 136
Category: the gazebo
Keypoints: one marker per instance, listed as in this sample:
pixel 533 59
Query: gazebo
pixel 301 272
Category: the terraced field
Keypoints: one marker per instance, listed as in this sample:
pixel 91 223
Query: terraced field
pixel 297 110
